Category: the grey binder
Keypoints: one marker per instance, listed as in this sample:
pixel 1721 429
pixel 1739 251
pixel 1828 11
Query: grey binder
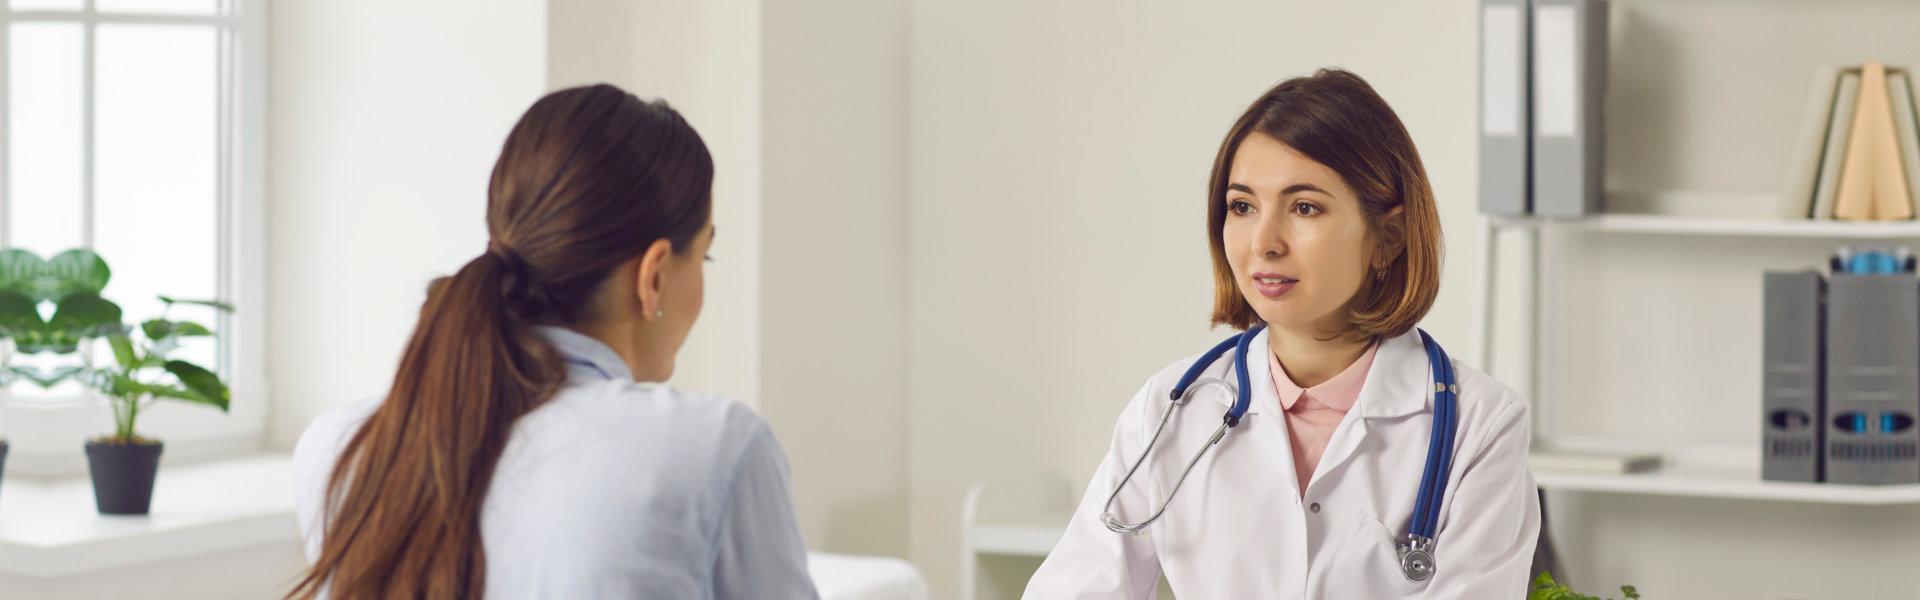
pixel 1569 87
pixel 1873 379
pixel 1505 129
pixel 1790 394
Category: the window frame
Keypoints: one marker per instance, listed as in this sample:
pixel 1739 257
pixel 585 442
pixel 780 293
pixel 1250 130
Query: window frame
pixel 47 437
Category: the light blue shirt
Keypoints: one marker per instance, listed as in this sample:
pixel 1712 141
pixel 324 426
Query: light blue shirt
pixel 615 489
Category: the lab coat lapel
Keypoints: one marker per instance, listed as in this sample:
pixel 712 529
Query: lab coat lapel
pixel 1266 402
pixel 1345 439
pixel 1385 393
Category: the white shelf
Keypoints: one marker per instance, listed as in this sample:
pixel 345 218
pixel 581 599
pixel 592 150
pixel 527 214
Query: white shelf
pixel 51 529
pixel 1737 484
pixel 1723 226
pixel 1020 515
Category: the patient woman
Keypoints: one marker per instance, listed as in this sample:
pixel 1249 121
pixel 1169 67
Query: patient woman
pixel 528 447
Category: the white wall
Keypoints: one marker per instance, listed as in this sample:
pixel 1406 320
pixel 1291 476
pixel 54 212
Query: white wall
pixel 386 120
pixel 704 59
pixel 1059 156
pixel 804 109
pixel 834 292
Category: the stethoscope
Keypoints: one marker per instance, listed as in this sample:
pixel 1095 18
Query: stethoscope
pixel 1416 554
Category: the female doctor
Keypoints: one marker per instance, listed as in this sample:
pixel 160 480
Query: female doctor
pixel 1324 231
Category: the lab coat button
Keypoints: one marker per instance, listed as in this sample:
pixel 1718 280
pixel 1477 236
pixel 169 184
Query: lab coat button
pixel 1315 507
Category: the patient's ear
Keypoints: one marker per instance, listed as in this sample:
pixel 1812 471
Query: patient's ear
pixel 651 278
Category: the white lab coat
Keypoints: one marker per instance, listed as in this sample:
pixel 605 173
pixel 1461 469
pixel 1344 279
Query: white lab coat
pixel 1240 528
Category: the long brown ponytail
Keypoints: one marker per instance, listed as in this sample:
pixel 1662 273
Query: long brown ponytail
pixel 588 179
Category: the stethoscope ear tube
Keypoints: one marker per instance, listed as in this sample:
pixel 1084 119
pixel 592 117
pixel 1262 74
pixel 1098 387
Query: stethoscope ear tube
pixel 1244 399
pixel 1182 390
pixel 1199 366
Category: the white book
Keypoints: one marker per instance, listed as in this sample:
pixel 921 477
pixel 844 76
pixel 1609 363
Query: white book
pixel 1907 130
pixel 1845 101
pixel 1592 461
pixel 1803 170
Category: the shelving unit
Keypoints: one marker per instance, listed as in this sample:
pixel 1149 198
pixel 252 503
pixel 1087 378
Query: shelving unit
pixel 1679 476
pixel 1018 516
pixel 1738 484
pixel 1722 226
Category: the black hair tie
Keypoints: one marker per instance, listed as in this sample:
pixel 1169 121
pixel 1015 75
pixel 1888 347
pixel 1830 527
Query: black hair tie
pixel 523 295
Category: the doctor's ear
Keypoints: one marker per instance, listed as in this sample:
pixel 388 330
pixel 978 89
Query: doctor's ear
pixel 651 280
pixel 1393 231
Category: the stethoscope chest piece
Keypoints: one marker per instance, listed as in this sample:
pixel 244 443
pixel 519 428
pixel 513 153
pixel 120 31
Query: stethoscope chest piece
pixel 1416 558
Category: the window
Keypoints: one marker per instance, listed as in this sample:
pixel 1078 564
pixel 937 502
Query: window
pixel 135 128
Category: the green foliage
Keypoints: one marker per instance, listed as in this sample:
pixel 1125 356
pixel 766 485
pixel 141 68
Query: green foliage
pixel 71 281
pixel 1545 589
pixel 141 373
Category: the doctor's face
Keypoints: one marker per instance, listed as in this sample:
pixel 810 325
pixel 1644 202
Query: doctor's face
pixel 1295 237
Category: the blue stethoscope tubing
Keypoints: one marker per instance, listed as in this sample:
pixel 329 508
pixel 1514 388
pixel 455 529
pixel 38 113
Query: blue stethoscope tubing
pixel 1416 554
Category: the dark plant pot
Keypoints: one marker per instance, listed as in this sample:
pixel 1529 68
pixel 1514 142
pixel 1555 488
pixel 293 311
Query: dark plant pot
pixel 123 476
pixel 3 458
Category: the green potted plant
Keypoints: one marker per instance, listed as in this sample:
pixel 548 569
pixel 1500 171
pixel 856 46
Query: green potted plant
pixel 122 464
pixel 1545 589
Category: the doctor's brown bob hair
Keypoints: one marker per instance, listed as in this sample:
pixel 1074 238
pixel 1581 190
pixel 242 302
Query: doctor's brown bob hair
pixel 1336 119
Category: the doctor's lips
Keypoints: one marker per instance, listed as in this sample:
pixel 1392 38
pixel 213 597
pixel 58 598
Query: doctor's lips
pixel 1272 285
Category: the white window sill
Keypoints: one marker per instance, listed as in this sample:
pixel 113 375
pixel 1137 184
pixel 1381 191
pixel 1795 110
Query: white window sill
pixel 51 529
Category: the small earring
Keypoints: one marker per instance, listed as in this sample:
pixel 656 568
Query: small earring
pixel 659 313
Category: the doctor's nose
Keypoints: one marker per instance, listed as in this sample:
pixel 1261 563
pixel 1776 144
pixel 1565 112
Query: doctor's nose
pixel 1269 238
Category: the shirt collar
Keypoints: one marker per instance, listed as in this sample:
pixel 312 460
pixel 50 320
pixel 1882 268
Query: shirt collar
pixel 1338 393
pixel 1397 386
pixel 587 356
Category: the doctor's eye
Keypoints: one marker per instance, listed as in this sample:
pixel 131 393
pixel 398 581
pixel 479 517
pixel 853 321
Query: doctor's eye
pixel 1306 209
pixel 1239 208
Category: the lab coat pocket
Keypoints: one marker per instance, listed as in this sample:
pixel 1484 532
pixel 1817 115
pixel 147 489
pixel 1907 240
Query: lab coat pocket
pixel 1367 564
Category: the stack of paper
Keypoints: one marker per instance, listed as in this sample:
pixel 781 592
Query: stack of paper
pixel 1592 461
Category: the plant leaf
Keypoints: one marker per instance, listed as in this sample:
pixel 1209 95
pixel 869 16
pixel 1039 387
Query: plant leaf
pixel 190 329
pixel 106 330
pixel 46 378
pixel 42 340
pixel 78 269
pixel 213 303
pixel 38 345
pixel 200 381
pixel 19 269
pixel 167 391
pixel 83 314
pixel 156 329
pixel 123 386
pixel 18 313
pixel 123 352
